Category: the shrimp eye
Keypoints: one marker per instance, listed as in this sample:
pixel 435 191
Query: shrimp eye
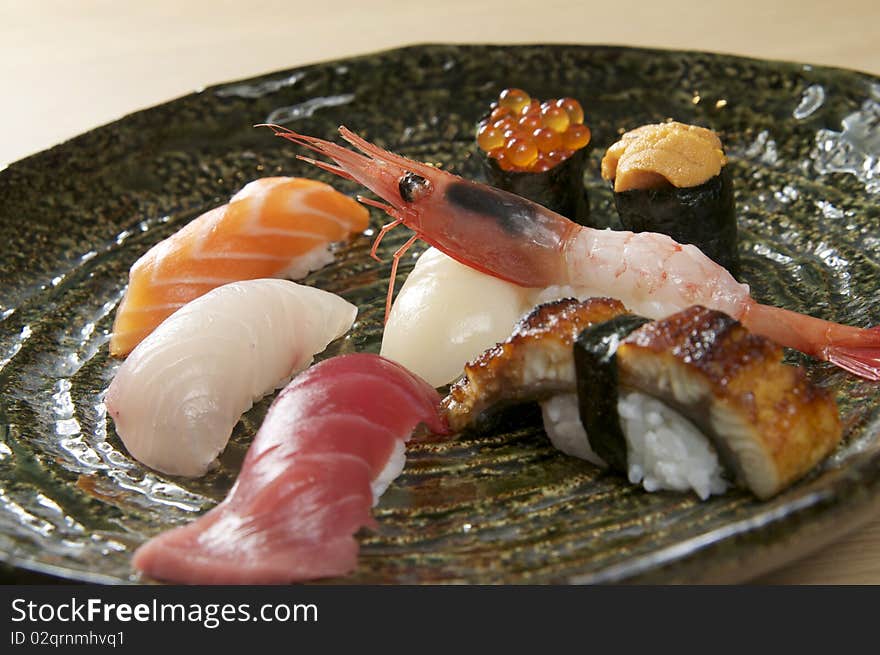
pixel 413 187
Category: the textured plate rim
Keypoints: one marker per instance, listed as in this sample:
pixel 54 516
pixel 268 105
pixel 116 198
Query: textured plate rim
pixel 812 514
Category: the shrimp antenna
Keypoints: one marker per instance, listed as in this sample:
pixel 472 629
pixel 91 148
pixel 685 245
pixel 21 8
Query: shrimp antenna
pixel 330 168
pixel 346 159
pixel 375 152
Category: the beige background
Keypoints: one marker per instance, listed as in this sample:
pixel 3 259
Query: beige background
pixel 67 66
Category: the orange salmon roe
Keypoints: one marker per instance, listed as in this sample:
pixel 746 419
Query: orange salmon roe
pixel 555 118
pixel 531 109
pixel 514 99
pixel 576 137
pixel 573 108
pixel 547 140
pixel 498 113
pixel 489 137
pixel 503 124
pixel 529 123
pixel 524 134
pixel 521 153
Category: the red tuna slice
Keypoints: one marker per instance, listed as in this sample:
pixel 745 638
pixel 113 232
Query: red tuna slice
pixel 293 529
pixel 351 434
pixel 384 371
pixel 304 488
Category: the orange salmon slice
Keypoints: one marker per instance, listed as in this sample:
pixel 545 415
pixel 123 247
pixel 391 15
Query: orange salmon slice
pixel 262 232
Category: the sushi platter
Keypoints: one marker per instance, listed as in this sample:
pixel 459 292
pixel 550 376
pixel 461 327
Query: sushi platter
pixel 632 337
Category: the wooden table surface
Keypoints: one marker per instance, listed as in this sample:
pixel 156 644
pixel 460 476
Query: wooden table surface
pixel 66 67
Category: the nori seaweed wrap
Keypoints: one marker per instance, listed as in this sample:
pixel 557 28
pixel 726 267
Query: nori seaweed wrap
pixel 672 178
pixel 538 151
pixel 560 189
pixel 597 385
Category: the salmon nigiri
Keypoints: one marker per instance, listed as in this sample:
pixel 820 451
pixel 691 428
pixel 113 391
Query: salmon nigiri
pixel 273 227
pixel 330 445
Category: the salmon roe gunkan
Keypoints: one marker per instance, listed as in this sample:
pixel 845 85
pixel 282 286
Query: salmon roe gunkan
pixel 526 135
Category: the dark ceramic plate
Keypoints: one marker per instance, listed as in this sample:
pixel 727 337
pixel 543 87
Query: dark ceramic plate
pixel 503 507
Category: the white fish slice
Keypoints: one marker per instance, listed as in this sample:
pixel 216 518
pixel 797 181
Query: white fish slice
pixel 180 393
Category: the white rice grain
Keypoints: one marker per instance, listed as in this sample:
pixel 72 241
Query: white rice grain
pixel 318 257
pixel 393 468
pixel 664 449
pixel 562 422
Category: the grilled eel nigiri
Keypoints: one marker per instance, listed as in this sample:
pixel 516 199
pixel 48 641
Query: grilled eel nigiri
pixel 764 420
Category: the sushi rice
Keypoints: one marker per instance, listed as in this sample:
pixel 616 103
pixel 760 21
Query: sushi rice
pixel 665 451
pixel 562 422
pixel 315 259
pixel 393 468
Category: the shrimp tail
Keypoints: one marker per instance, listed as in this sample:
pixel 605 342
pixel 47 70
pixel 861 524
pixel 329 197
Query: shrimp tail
pixel 858 360
pixel 856 350
pixel 861 359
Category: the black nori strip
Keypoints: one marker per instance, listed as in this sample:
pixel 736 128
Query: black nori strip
pixel 702 215
pixel 561 189
pixel 595 362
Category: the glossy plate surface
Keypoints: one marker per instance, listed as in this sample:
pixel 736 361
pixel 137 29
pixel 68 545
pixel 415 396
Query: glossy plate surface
pixel 804 146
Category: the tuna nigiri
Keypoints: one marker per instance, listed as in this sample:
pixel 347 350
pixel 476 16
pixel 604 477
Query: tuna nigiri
pixel 178 396
pixel 330 444
pixel 273 227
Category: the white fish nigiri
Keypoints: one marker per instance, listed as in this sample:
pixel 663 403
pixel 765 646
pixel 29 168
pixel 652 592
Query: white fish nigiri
pixel 181 391
pixel 446 314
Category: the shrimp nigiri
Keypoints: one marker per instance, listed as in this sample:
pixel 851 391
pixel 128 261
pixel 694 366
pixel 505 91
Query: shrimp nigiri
pixel 330 445
pixel 273 227
pixel 516 240
pixel 178 396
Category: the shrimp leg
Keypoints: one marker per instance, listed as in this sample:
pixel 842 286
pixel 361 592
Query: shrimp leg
pixel 395 261
pixel 385 230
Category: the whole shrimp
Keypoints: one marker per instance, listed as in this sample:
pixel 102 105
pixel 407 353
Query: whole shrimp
pixel 514 239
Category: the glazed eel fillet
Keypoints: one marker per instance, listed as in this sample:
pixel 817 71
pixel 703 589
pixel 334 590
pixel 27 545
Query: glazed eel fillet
pixel 768 423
